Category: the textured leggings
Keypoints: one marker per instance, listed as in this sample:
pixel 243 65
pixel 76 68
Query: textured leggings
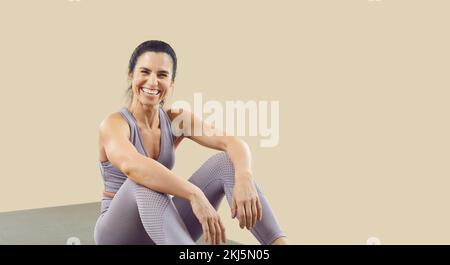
pixel 139 215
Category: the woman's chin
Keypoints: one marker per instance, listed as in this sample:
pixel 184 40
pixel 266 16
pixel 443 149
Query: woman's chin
pixel 150 103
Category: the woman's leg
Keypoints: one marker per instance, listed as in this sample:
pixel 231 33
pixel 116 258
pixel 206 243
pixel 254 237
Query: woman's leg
pixel 216 179
pixel 139 215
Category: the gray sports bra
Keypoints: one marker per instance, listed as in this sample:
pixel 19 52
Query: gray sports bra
pixel 113 178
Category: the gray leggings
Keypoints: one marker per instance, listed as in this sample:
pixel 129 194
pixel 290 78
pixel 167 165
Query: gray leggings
pixel 139 215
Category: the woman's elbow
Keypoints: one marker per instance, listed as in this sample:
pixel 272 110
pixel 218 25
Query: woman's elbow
pixel 234 140
pixel 128 168
pixel 134 170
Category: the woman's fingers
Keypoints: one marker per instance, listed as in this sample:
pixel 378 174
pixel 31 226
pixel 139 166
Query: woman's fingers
pixel 222 227
pixel 258 205
pixel 233 208
pixel 242 218
pixel 206 231
pixel 248 214
pixel 218 232
pixel 254 213
pixel 212 231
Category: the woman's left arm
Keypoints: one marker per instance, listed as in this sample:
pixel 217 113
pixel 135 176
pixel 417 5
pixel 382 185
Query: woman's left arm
pixel 245 202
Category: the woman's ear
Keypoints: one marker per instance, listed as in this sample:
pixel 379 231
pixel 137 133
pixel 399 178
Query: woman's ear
pixel 130 77
pixel 172 85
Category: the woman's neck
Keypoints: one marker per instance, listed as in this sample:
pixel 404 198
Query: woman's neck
pixel 146 116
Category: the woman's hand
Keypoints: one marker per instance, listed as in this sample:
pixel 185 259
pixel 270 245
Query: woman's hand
pixel 245 202
pixel 213 228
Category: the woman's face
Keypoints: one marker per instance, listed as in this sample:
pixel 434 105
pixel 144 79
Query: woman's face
pixel 151 79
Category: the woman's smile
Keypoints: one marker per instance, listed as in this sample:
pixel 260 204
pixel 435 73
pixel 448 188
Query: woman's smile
pixel 150 92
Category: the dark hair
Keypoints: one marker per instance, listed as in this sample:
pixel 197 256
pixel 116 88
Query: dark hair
pixel 151 46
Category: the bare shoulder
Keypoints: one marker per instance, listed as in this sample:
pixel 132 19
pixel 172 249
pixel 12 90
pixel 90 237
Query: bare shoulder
pixel 115 123
pixel 174 114
pixel 180 114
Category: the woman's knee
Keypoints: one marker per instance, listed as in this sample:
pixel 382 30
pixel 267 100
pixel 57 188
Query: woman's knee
pixel 150 198
pixel 223 163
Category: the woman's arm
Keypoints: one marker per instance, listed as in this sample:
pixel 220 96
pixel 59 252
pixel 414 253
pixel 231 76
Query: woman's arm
pixel 143 170
pixel 210 137
pixel 245 197
pixel 153 175
pixel 240 155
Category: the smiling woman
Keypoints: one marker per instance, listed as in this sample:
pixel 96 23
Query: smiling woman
pixel 160 58
pixel 137 152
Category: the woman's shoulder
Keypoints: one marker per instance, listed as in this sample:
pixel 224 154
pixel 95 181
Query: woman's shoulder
pixel 172 114
pixel 114 120
pixel 111 128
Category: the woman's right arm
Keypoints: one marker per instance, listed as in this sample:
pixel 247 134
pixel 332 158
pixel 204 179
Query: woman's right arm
pixel 139 168
pixel 153 175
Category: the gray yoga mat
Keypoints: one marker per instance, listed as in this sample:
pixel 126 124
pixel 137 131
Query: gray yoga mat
pixel 71 224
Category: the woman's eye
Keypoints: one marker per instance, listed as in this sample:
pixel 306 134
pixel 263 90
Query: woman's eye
pixel 162 75
pixel 144 72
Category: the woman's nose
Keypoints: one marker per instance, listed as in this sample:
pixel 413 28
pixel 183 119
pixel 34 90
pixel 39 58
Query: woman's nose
pixel 153 80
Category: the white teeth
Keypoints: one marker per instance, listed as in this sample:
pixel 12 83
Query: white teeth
pixel 151 91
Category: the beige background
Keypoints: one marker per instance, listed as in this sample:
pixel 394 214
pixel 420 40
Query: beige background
pixel 363 89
